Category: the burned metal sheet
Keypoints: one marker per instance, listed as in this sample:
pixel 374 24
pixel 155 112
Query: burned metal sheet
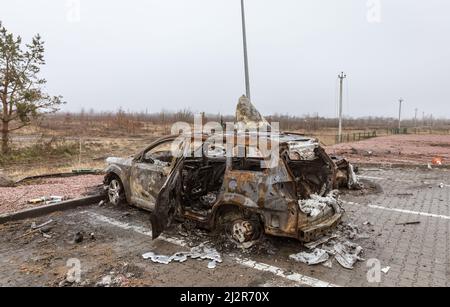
pixel 201 251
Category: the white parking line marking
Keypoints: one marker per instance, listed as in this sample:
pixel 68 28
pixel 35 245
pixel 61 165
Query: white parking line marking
pixel 445 217
pixel 139 229
pixel 411 212
pixel 401 180
pixel 295 277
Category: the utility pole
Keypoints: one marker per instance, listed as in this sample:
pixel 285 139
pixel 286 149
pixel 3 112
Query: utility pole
pixel 341 77
pixel 415 118
pixel 399 113
pixel 244 38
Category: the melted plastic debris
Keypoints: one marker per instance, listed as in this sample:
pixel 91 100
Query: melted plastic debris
pixel 310 258
pixel 201 251
pixel 315 205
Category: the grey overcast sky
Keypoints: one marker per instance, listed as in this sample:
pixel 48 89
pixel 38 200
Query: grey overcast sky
pixel 173 54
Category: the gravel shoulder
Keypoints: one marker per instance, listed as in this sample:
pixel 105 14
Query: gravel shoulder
pixel 17 198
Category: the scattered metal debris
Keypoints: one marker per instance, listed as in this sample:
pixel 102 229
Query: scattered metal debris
pixel 201 251
pixel 316 205
pixel 408 223
pixel 328 263
pixel 335 246
pixel 321 241
pixel 347 254
pixel 34 226
pixel 78 238
pixel 47 200
pixel 315 257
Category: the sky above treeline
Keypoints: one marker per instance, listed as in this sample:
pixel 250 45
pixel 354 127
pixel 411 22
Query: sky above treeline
pixel 149 55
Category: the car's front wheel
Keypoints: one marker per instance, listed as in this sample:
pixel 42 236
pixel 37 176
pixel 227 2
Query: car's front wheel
pixel 116 192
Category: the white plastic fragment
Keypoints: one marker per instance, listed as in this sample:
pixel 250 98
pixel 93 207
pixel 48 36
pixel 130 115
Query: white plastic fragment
pixel 386 269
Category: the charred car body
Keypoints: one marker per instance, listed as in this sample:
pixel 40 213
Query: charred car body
pixel 293 198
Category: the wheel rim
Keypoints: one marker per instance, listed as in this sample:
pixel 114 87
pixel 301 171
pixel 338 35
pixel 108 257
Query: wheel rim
pixel 242 231
pixel 114 191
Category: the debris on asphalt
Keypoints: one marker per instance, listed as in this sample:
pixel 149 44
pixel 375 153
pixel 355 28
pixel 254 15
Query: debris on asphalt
pixel 201 251
pixel 34 226
pixel 325 239
pixel 441 185
pixel 335 246
pixel 386 269
pixel 316 205
pixel 404 194
pixel 46 200
pixel 408 223
pixel 347 254
pixel 353 182
pixel 436 161
pixel 45 235
pixel 78 238
pixel 310 258
pixel 328 263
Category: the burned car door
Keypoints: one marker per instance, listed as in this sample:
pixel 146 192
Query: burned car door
pixel 167 201
pixel 148 174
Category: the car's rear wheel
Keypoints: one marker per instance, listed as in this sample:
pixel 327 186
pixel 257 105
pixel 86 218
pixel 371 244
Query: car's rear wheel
pixel 116 192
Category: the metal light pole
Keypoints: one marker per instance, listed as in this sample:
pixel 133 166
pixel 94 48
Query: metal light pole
pixel 399 113
pixel 244 37
pixel 341 77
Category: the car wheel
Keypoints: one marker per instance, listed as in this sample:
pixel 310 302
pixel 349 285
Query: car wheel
pixel 116 193
pixel 242 230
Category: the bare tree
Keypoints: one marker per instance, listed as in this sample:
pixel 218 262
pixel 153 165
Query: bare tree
pixel 21 89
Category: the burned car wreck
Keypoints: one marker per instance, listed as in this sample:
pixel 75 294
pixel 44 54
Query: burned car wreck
pixel 293 198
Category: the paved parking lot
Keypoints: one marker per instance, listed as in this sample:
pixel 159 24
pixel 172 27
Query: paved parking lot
pixel 417 254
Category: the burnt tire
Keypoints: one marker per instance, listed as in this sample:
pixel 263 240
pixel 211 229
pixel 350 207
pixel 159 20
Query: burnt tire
pixel 115 191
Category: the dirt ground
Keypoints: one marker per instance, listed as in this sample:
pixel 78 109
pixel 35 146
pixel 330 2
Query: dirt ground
pixel 403 216
pixel 396 149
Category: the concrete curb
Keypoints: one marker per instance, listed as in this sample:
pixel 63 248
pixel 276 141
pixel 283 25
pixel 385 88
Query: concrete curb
pixel 43 210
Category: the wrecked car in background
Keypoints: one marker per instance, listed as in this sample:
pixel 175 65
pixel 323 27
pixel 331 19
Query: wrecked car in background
pixel 295 198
